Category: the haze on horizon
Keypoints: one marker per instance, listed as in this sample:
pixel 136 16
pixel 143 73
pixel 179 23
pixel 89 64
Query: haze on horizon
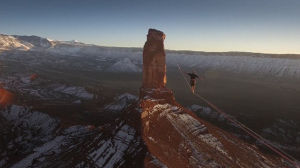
pixel 267 26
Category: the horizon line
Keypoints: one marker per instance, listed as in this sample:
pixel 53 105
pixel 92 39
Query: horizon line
pixel 167 49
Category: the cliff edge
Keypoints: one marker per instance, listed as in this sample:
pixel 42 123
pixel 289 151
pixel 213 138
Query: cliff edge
pixel 175 135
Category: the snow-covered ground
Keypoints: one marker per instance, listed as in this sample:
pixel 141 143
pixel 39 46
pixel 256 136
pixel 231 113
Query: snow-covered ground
pixel 207 113
pixel 124 65
pixel 188 127
pixel 35 139
pixel 79 92
pixel 99 151
pixel 195 140
pixel 284 134
pixel 24 131
pixel 42 89
pixel 121 102
pixel 130 59
pixel 279 67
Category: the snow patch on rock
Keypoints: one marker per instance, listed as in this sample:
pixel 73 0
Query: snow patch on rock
pixel 31 122
pixel 124 65
pixel 121 102
pixel 10 42
pixel 74 91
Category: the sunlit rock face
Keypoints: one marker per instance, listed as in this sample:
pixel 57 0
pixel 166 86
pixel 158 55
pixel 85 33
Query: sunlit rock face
pixel 175 136
pixel 154 60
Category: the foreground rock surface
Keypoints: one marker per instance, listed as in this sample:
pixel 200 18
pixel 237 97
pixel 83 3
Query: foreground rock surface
pixel 149 133
pixel 178 138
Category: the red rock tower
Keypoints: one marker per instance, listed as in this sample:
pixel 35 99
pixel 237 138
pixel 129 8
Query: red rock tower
pixel 154 60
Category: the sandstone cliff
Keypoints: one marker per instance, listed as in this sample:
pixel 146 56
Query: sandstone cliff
pixel 175 135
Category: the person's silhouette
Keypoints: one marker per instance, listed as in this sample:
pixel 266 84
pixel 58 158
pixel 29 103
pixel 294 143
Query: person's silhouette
pixel 193 77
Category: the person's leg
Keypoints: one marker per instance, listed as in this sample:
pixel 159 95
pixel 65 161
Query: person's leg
pixel 193 89
pixel 192 82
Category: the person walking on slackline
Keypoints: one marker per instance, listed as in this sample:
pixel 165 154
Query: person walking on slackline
pixel 193 77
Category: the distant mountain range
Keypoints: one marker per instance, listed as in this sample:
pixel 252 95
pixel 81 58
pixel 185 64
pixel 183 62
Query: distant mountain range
pixel 8 42
pixel 121 59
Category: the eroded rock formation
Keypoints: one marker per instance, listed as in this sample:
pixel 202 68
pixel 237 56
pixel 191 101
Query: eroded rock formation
pixel 154 60
pixel 176 136
pixel 154 68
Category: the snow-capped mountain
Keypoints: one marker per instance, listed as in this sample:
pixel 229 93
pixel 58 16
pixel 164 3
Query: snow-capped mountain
pixel 11 43
pixel 35 41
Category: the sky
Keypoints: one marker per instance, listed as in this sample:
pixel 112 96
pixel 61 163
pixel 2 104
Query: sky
pixel 269 26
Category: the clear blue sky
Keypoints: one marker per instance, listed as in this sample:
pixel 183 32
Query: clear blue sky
pixel 271 26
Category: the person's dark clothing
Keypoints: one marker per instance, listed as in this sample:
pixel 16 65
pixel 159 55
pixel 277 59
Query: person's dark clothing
pixel 193 76
pixel 193 82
